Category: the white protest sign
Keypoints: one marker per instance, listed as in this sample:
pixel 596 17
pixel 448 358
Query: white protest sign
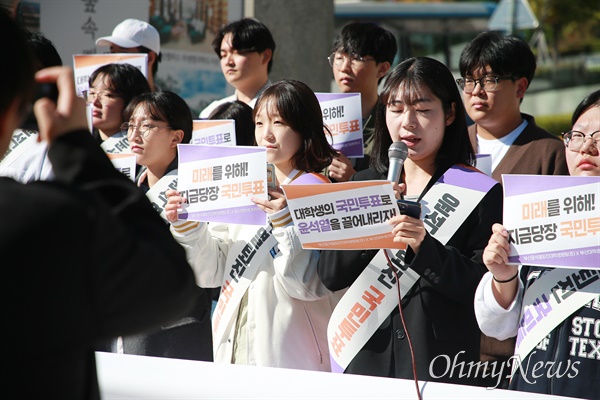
pixel 553 221
pixel 116 144
pixel 484 163
pixel 345 215
pixel 124 163
pixel 219 132
pixel 85 64
pixel 118 151
pixel 219 181
pixel 342 113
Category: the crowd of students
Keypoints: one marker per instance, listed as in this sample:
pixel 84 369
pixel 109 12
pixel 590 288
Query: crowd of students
pixel 278 314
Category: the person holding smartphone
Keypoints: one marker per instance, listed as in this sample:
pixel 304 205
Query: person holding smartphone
pixel 441 264
pixel 86 257
pixel 277 315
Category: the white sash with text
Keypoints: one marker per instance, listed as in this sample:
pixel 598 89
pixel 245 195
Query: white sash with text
pixel 373 296
pixel 550 300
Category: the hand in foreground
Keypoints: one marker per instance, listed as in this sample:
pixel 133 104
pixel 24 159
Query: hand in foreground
pixel 174 203
pixel 277 202
pixel 341 168
pixel 408 230
pixel 399 189
pixel 67 114
pixel 495 257
pixel 495 254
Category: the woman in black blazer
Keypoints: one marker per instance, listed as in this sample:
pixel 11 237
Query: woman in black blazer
pixel 422 107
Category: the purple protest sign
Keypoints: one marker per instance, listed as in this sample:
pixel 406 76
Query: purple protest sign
pixel 553 221
pixel 219 181
pixel 342 113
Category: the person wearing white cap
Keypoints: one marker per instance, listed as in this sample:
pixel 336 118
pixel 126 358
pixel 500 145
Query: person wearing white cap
pixel 135 36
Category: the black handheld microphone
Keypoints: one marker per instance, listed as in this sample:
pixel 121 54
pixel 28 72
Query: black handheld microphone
pixel 397 153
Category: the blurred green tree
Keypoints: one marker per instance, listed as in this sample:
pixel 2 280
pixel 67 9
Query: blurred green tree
pixel 571 27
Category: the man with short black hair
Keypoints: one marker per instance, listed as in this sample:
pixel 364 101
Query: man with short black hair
pixel 362 54
pixel 245 48
pixel 86 257
pixel 496 71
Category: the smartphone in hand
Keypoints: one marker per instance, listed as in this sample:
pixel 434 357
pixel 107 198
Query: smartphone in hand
pixel 410 208
pixel 48 90
pixel 271 178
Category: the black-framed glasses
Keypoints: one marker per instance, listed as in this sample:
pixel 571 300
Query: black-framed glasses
pixel 338 59
pixel 104 98
pixel 487 83
pixel 574 139
pixel 142 129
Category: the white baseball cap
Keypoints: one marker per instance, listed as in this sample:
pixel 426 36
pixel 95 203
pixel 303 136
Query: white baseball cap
pixel 133 33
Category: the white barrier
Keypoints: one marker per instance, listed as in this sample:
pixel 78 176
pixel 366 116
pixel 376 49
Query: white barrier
pixel 136 377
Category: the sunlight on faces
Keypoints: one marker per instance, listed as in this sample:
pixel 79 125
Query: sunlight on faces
pixel 491 106
pixel 586 161
pixel 416 117
pixel 106 117
pixel 239 67
pixel 359 79
pixel 159 145
pixel 272 132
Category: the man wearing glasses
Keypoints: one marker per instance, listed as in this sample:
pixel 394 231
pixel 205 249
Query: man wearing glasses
pixel 496 71
pixel 362 54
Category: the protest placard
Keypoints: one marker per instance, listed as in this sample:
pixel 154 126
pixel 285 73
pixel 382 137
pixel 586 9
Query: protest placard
pixel 124 163
pixel 219 181
pixel 219 132
pixel 345 215
pixel 484 163
pixel 342 114
pixel 119 152
pixel 85 64
pixel 553 221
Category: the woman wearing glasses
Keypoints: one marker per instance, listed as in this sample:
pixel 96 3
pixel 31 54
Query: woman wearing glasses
pixel 157 123
pixel 112 87
pixel 570 352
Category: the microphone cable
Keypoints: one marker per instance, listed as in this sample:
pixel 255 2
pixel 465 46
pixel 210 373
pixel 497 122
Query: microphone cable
pixel 410 346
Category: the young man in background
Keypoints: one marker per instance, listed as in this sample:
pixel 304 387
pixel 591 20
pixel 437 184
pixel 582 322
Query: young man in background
pixel 362 54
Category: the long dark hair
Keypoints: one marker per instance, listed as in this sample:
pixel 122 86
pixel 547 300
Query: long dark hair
pixel 297 104
pixel 165 106
pixel 408 80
